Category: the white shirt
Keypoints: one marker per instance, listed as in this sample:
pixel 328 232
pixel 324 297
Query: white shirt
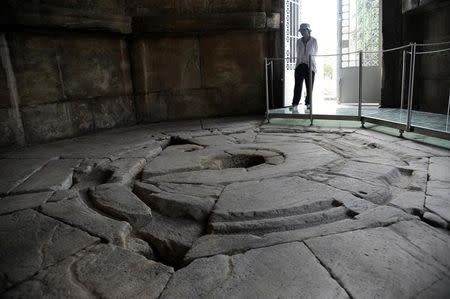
pixel 303 52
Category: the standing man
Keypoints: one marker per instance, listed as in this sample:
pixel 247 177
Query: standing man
pixel 307 45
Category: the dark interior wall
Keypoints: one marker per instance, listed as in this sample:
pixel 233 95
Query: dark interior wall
pixel 79 66
pixel 422 22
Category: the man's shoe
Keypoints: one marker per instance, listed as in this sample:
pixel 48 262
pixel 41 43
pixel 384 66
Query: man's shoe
pixel 293 108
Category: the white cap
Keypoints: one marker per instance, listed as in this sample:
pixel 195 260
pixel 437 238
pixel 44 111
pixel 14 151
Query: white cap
pixel 305 26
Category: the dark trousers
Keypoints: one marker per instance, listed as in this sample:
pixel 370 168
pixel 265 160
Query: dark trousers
pixel 302 74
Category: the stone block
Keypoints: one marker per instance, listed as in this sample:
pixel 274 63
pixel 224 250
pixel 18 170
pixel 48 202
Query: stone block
pixel 232 58
pixel 242 99
pixel 36 65
pixel 151 107
pixel 282 271
pixel 13 172
pixel 47 122
pixel 55 175
pixel 94 66
pixel 75 212
pixel 192 7
pixel 105 270
pixel 120 202
pixel 23 201
pixel 202 23
pixel 7 136
pixel 113 112
pixel 170 237
pixel 166 63
pixel 81 117
pixel 195 103
pixel 379 263
pixel 4 89
pixel 99 15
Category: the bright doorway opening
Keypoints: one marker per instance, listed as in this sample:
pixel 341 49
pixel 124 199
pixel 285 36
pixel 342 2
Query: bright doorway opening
pixel 341 27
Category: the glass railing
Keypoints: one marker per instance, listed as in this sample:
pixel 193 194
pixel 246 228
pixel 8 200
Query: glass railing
pixel 356 92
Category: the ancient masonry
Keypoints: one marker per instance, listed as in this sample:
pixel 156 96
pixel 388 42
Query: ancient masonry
pixel 225 208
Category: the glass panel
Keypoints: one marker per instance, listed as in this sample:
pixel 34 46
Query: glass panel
pixel 371 89
pixel 431 95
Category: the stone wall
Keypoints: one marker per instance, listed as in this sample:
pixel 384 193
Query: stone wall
pixel 80 66
pixel 422 22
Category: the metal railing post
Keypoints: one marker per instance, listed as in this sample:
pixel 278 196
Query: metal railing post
pixel 411 86
pixel 310 90
pixel 402 95
pixel 360 73
pixel 267 89
pixel 271 82
pixel 448 111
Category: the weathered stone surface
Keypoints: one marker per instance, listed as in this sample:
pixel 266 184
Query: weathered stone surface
pixel 175 204
pixel 288 271
pixel 213 140
pixel 429 239
pixel 179 158
pixel 410 201
pixel 248 136
pixel 109 144
pixel 15 171
pixel 55 175
pixel 191 189
pixel 101 16
pixel 104 270
pixel 32 241
pixel 173 63
pixel 33 54
pixel 298 157
pixel 125 170
pixel 282 223
pixel 378 262
pixel 439 205
pixel 147 151
pixel 434 220
pixel 229 125
pixel 171 237
pixel 215 244
pixel 73 211
pixel 23 201
pixel 205 22
pixel 438 189
pixel 288 201
pixel 209 245
pixel 120 202
pixel 141 247
pixel 47 121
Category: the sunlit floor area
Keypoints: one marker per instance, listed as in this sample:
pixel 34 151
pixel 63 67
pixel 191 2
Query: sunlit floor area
pixel 434 121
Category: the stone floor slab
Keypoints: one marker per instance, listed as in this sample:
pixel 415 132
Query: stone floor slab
pixel 13 172
pixel 74 211
pixel 120 202
pixel 378 263
pixel 55 175
pixel 104 271
pixel 31 242
pixel 175 204
pixel 23 201
pixel 283 271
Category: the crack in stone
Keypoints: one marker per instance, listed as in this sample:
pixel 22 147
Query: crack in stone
pixel 103 240
pixel 330 272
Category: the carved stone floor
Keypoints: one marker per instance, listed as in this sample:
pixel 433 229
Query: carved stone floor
pixel 226 208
